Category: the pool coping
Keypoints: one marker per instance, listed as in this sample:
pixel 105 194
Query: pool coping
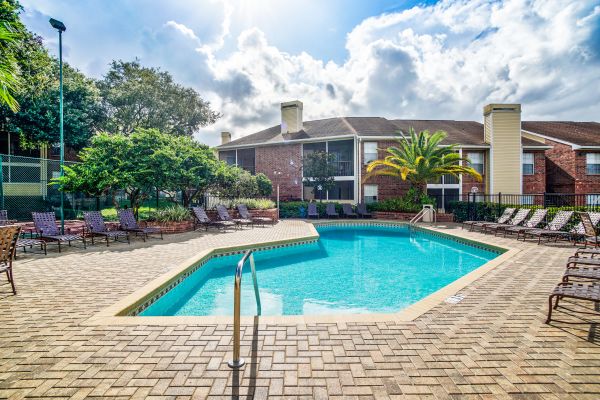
pixel 116 314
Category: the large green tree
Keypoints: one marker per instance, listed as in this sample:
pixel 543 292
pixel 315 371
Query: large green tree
pixel 420 159
pixel 11 35
pixel 135 96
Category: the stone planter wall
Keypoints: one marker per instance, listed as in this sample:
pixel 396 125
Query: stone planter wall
pixel 441 217
pixel 172 227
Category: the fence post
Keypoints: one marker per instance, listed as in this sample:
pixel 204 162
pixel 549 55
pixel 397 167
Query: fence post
pixel 469 213
pixel 1 185
pixel 499 202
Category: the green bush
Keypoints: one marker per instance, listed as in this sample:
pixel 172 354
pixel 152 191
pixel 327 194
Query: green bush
pixel 292 209
pixel 257 204
pixel 405 203
pixel 265 186
pixel 175 213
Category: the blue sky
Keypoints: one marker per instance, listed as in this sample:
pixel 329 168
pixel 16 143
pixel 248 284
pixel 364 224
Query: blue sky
pixel 402 59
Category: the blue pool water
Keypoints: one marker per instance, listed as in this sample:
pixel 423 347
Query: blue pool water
pixel 351 269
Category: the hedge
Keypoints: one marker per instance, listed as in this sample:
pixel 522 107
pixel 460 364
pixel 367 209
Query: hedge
pixel 298 209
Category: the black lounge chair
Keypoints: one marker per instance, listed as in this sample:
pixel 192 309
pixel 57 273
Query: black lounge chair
pixel 361 209
pixel 224 216
pixel 330 211
pixel 503 219
pixel 96 226
pixel 9 235
pixel 47 230
pixel 202 219
pixel 532 223
pixel 516 220
pixel 348 212
pixel 312 211
pixel 129 224
pixel 245 214
pixel 553 229
pixel 573 290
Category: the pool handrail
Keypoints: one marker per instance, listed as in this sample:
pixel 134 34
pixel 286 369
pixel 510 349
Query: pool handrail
pixel 237 361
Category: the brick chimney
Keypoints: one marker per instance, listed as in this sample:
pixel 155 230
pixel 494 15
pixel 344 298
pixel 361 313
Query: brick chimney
pixel 502 131
pixel 225 137
pixel 291 116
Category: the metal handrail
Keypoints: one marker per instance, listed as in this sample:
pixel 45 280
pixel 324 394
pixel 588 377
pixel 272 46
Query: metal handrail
pixel 237 361
pixel 420 215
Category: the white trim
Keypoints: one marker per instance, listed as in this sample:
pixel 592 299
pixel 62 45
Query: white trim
pixel 460 177
pixel 309 140
pixel 491 172
pixel 573 145
pixel 536 147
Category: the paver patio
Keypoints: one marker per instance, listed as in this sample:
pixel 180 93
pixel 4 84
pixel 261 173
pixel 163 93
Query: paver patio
pixel 492 344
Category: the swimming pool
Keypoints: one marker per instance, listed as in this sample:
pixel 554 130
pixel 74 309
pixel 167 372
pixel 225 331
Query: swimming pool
pixel 350 269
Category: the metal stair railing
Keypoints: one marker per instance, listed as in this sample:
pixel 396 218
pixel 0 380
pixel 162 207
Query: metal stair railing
pixel 237 361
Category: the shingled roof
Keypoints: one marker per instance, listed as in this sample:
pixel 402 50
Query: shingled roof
pixel 466 133
pixel 578 133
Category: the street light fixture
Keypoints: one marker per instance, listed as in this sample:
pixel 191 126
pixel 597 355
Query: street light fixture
pixel 60 27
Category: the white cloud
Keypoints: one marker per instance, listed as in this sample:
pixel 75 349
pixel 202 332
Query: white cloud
pixel 441 61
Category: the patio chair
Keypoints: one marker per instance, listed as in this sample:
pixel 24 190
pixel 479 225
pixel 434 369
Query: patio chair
pixel 8 246
pixel 553 229
pixel 47 230
pixel 348 212
pixel 361 209
pixel 588 273
pixel 312 211
pixel 503 219
pixel 30 242
pixel 202 219
pixel 4 218
pixel 245 214
pixel 96 226
pixel 224 216
pixel 516 220
pixel 129 224
pixel 330 211
pixel 579 291
pixel 586 229
pixel 532 223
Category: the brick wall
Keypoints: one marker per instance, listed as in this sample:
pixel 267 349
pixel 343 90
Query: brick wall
pixel 269 159
pixel 584 183
pixel 560 168
pixel 387 186
pixel 536 183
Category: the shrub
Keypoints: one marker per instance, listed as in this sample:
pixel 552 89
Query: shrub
pixel 175 213
pixel 265 186
pixel 292 209
pixel 257 204
pixel 405 203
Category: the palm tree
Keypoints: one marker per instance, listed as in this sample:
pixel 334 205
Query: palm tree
pixel 421 159
pixel 9 70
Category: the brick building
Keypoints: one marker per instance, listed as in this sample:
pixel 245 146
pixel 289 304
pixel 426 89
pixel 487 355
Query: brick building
pixel 514 156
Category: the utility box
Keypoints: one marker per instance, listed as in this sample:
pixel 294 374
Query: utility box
pixel 428 213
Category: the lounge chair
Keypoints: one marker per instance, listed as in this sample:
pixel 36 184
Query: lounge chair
pixel 516 220
pixel 96 226
pixel 348 212
pixel 245 214
pixel 586 229
pixel 129 224
pixel 580 291
pixel 8 246
pixel 312 211
pixel 330 211
pixel 503 219
pixel 589 273
pixel 47 230
pixel 553 229
pixel 30 242
pixel 4 218
pixel 361 209
pixel 202 219
pixel 224 216
pixel 532 223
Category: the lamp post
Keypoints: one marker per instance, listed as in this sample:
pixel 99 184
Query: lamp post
pixel 277 174
pixel 60 27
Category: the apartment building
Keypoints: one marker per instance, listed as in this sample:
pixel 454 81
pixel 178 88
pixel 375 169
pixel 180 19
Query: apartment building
pixel 513 156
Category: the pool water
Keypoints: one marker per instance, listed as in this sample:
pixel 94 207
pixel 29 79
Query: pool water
pixel 350 269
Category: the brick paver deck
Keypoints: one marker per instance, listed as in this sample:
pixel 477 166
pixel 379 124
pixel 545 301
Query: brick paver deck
pixel 492 344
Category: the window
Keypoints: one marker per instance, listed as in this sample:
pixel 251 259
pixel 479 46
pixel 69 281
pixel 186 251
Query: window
pixel 228 157
pixel 528 166
pixel 370 193
pixel 343 190
pixel 245 159
pixel 476 161
pixel 370 151
pixel 55 150
pixel 593 200
pixel 343 153
pixel 592 163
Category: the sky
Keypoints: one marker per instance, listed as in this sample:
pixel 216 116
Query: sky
pixel 394 59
